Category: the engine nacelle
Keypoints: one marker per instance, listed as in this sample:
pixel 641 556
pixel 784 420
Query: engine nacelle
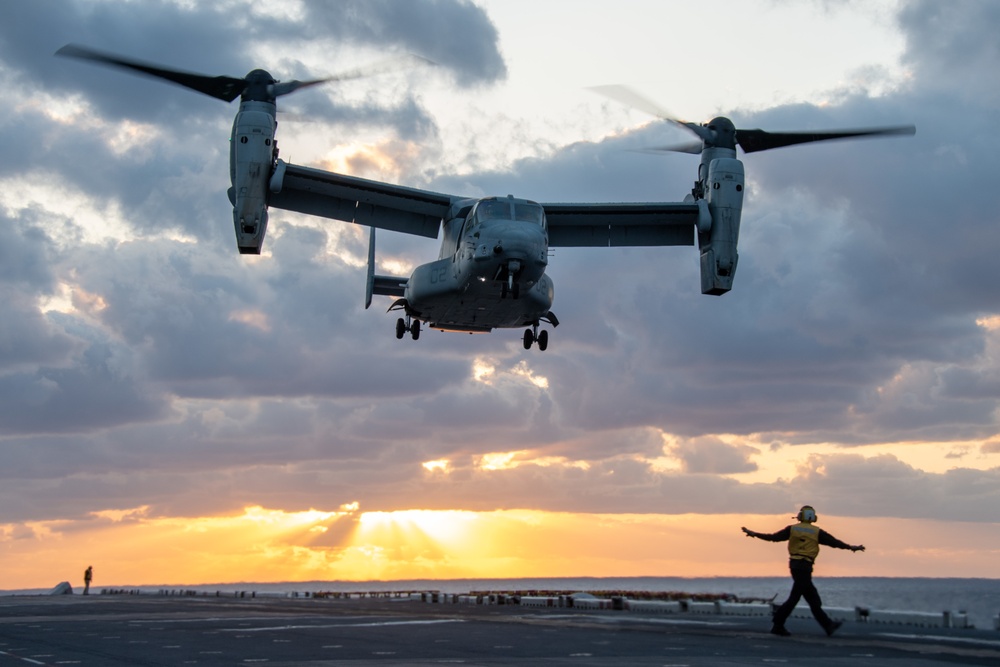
pixel 724 196
pixel 250 160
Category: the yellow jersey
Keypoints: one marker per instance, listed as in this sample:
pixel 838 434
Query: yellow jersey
pixel 803 541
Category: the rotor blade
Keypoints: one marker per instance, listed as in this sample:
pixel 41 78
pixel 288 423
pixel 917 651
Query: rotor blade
pixel 373 69
pixel 225 88
pixel 630 97
pixel 386 66
pixel 693 147
pixel 286 87
pixel 752 141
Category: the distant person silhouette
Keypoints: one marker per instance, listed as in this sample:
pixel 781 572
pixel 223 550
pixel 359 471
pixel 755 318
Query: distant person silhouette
pixel 88 576
pixel 803 540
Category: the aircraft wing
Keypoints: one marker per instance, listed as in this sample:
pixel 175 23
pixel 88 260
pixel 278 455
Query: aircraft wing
pixel 605 225
pixel 412 211
pixel 359 200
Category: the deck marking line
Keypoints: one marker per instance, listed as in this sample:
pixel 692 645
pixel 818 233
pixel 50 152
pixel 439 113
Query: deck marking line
pixel 941 638
pixel 343 625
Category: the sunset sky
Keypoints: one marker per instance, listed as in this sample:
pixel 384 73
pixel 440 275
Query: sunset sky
pixel 174 413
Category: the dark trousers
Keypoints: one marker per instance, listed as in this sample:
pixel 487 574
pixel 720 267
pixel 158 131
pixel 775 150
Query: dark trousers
pixel 802 587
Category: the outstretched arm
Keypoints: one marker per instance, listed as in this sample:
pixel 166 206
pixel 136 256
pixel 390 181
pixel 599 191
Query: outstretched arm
pixel 828 540
pixel 780 536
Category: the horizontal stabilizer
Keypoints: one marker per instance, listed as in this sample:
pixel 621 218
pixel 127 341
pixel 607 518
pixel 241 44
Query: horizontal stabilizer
pixel 389 285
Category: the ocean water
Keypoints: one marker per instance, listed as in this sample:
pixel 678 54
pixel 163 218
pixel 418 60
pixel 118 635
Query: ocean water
pixel 979 598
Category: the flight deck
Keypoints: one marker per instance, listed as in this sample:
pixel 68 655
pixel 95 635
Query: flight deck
pixel 107 630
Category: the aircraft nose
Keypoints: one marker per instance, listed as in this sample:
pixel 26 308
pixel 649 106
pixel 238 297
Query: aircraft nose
pixel 518 241
pixel 520 249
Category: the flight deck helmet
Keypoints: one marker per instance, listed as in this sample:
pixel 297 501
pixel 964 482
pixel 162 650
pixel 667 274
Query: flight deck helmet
pixel 807 514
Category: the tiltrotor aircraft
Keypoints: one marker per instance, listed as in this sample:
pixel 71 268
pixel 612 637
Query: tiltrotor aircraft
pixel 490 272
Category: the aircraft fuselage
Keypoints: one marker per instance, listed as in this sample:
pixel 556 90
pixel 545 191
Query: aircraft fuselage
pixel 491 270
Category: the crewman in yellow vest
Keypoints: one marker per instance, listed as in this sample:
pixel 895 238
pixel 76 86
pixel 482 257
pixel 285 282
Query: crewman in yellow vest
pixel 803 547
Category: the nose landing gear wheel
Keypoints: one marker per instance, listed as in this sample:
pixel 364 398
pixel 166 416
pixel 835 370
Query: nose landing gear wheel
pixel 400 328
pixel 415 329
pixel 529 338
pixel 543 340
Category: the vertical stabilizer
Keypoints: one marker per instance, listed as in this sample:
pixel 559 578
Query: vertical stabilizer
pixel 371 270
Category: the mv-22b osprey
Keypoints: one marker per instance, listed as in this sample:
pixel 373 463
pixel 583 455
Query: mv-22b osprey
pixel 490 272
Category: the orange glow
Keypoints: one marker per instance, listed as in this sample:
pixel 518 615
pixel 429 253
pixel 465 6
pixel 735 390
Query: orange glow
pixel 382 160
pixel 498 460
pixel 440 465
pixel 127 548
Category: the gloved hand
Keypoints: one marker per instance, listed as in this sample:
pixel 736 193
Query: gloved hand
pixel 750 533
pixel 859 547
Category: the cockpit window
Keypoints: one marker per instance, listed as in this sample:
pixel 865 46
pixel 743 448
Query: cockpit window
pixel 529 213
pixel 506 209
pixel 493 209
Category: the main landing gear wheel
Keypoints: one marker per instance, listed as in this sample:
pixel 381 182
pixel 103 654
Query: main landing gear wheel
pixel 413 326
pixel 532 336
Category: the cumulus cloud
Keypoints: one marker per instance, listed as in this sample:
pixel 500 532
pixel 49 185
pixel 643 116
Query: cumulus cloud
pixel 885 486
pixel 951 50
pixel 711 455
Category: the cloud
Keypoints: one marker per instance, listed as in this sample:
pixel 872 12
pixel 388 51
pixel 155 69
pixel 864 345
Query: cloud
pixel 29 339
pixel 990 447
pixel 951 50
pixel 455 34
pixel 144 363
pixel 885 486
pixel 97 390
pixel 710 455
